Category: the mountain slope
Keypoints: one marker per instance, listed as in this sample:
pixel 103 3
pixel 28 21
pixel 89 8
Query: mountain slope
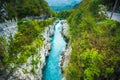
pixel 23 8
pixel 23 57
pixel 95 42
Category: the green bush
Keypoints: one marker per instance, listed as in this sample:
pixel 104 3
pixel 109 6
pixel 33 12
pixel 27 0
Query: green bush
pixel 24 44
pixel 23 8
pixel 64 14
pixel 95 44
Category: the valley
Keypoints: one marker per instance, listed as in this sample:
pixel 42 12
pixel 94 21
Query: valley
pixel 59 40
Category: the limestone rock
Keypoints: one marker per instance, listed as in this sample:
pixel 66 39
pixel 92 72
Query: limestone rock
pixel 29 71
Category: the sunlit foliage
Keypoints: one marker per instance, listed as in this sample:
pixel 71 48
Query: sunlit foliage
pixel 95 42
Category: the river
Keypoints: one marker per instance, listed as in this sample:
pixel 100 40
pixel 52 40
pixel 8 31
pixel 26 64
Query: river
pixel 52 70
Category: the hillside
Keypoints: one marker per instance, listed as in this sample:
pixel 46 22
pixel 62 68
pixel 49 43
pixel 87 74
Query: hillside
pixel 95 42
pixel 85 46
pixel 23 43
pixel 23 8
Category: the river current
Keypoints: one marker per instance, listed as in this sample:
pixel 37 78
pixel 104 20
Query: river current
pixel 52 70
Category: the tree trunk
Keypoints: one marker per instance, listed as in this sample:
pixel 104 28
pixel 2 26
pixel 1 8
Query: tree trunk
pixel 114 8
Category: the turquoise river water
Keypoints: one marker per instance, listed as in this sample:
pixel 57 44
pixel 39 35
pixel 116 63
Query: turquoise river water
pixel 52 70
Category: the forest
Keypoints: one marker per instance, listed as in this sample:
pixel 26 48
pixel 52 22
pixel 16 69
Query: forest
pixel 95 41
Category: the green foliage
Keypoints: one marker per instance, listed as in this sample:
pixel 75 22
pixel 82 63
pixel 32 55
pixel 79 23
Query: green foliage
pixel 95 44
pixel 3 45
pixel 23 8
pixel 24 44
pixel 4 55
pixel 91 60
pixel 64 14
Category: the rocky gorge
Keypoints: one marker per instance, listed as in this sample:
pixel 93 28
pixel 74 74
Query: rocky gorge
pixel 65 55
pixel 32 69
pixel 25 44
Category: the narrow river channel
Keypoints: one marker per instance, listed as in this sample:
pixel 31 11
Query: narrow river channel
pixel 52 70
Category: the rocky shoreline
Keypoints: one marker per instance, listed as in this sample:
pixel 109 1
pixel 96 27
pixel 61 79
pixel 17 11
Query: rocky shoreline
pixel 23 71
pixel 65 56
pixel 42 53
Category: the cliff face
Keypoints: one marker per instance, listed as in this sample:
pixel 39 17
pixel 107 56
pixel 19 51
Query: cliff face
pixel 65 56
pixel 26 43
pixel 40 56
pixel 32 68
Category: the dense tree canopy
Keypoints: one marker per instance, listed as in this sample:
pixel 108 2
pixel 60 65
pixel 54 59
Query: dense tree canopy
pixel 29 33
pixel 23 8
pixel 95 44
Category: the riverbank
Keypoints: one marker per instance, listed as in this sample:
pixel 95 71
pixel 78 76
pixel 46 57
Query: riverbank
pixel 65 55
pixel 29 65
pixel 31 56
pixel 52 70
